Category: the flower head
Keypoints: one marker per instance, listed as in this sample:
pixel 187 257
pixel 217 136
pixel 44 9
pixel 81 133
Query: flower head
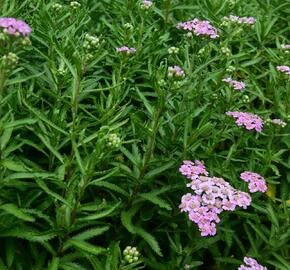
pixel 146 4
pixel 176 71
pixel 15 27
pixel 199 28
pixel 248 120
pixel 278 122
pixel 212 195
pixel 239 20
pixel 252 264
pixel 126 50
pixel 285 46
pixel 284 69
pixel 235 84
pixel 256 181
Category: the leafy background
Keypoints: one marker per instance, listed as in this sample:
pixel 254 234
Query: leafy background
pixel 69 201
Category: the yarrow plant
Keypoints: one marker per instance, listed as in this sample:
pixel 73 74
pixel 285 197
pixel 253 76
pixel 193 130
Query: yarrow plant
pixel 235 84
pixel 125 49
pixel 176 71
pixel 251 264
pixel 199 28
pixel 15 27
pixel 248 120
pixel 212 196
pixel 284 69
pixel 256 181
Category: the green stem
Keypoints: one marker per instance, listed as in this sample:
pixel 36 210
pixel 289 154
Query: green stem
pixel 167 11
pixel 149 151
pixel 2 82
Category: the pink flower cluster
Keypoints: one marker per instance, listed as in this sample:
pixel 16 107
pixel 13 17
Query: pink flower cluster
pixel 176 71
pixel 241 20
pixel 15 27
pixel 126 49
pixel 248 120
pixel 284 69
pixel 278 122
pixel 252 264
pixel 256 181
pixel 212 196
pixel 236 85
pixel 199 28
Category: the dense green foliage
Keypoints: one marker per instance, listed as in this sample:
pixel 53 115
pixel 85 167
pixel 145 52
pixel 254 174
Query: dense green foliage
pixel 91 139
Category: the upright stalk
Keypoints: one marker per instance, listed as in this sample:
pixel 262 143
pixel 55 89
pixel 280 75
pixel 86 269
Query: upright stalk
pixel 2 82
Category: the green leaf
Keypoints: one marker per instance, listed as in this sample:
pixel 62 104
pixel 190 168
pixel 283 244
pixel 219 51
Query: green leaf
pixel 17 212
pixel 99 215
pixel 85 246
pixel 160 169
pixel 13 165
pixel 54 264
pixel 42 185
pixel 88 234
pixel 50 147
pixel 149 239
pixel 156 200
pixel 28 234
pixel 126 219
pixel 110 186
pixel 20 123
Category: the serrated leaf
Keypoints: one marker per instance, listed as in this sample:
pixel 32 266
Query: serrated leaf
pixel 17 212
pixel 150 239
pixel 126 219
pixel 88 234
pixel 99 215
pixel 110 186
pixel 51 193
pixel 156 200
pixel 85 246
pixel 20 123
pixel 160 169
pixel 28 234
pixel 54 264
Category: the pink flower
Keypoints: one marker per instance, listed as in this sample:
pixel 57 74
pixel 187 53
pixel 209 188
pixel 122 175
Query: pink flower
pixel 236 85
pixel 15 27
pixel 199 28
pixel 252 264
pixel 248 120
pixel 284 69
pixel 212 195
pixel 256 181
pixel 176 71
pixel 125 49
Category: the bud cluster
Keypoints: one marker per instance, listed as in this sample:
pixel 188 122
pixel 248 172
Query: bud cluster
pixel 113 140
pixel 9 60
pixel 131 254
pixel 75 4
pixel 173 50
pixel 91 42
